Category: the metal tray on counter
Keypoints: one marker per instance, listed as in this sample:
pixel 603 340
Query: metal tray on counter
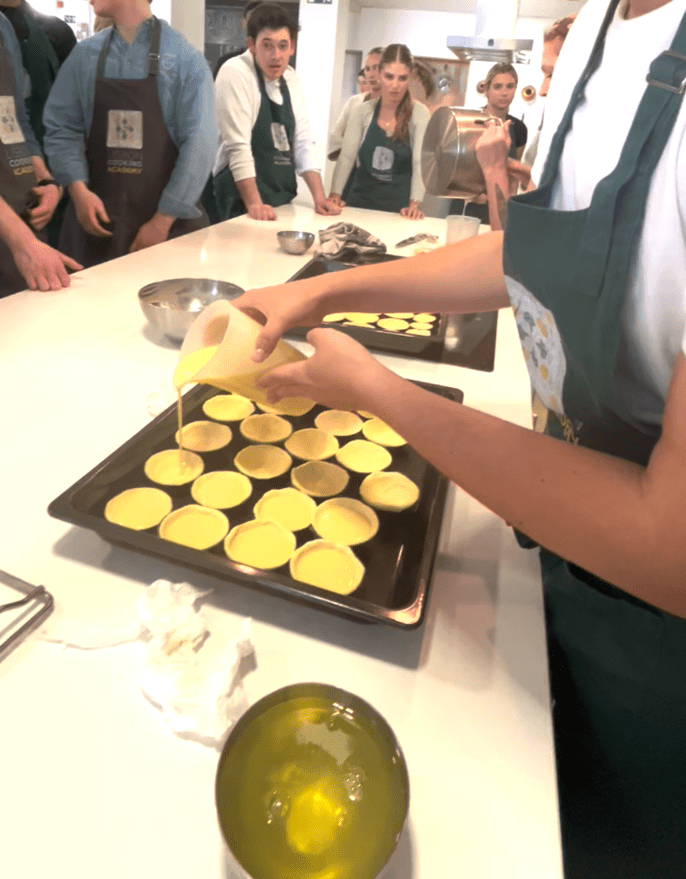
pixel 457 339
pixel 398 560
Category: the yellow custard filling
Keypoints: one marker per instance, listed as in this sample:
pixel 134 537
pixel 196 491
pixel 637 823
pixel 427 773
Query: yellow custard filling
pixel 221 489
pixel 194 526
pixel 173 467
pixel 345 520
pixel 363 456
pixel 228 407
pixel 138 508
pixel 264 545
pixel 330 566
pixel 388 490
pixel 287 506
pixel 377 431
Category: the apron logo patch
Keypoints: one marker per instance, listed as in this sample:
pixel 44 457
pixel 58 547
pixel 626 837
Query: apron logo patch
pixel 541 344
pixel 382 159
pixel 10 132
pixel 125 129
pixel 280 138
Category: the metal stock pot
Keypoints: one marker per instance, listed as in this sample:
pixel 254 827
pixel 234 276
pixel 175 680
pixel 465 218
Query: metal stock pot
pixel 449 164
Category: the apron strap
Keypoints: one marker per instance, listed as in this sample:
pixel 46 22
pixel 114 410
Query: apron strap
pixel 619 203
pixel 153 54
pixel 557 143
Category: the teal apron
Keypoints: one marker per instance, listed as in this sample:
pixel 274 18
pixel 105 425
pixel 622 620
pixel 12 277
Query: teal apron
pixel 272 150
pixel 617 664
pixel 382 177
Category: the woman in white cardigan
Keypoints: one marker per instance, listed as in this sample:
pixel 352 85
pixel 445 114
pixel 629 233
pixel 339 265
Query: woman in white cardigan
pixel 380 162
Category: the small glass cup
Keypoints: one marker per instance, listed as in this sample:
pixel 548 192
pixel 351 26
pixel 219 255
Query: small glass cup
pixel 461 226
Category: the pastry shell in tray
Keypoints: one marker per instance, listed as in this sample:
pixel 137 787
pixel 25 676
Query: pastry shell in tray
pixel 396 559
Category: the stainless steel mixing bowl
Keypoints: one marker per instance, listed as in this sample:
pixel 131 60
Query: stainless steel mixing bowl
pixel 173 305
pixel 295 242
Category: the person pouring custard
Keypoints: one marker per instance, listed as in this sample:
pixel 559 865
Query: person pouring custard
pixel 380 162
pixel 593 263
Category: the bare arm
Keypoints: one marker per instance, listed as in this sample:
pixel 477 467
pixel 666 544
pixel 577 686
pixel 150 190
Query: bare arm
pixel 462 277
pixel 248 191
pixel 322 205
pixel 622 522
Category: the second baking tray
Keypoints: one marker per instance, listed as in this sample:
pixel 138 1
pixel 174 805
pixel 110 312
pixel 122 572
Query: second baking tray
pixel 398 560
pixel 457 339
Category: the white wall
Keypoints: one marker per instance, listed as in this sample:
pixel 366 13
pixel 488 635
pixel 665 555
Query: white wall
pixel 426 33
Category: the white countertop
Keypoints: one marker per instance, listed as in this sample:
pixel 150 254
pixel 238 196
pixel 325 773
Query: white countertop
pixel 92 781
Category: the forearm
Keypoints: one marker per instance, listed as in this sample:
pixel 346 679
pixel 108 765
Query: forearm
pixel 460 278
pixel 604 514
pixel 314 184
pixel 497 190
pixel 13 230
pixel 248 191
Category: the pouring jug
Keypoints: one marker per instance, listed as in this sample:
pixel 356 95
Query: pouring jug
pixel 218 351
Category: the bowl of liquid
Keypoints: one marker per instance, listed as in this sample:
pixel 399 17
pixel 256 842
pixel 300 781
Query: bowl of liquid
pixel 174 304
pixel 311 782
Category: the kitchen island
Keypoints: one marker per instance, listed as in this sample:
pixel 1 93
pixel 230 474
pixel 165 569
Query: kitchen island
pixel 93 781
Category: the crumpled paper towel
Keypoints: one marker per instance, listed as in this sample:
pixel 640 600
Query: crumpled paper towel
pixel 189 672
pixel 347 238
pixel 194 682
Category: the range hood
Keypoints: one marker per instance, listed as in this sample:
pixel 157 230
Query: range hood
pixel 493 39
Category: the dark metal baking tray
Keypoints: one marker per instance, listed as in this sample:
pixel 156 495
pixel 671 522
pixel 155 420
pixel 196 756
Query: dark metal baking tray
pixel 398 561
pixel 459 340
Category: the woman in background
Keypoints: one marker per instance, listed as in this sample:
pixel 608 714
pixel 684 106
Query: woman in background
pixel 500 86
pixel 379 167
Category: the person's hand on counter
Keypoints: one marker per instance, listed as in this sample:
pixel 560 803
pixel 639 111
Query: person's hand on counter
pixel 42 267
pixel 155 231
pixel 336 199
pixel 90 210
pixel 338 374
pixel 412 211
pixel 329 207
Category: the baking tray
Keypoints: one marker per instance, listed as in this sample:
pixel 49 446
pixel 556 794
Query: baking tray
pixel 398 561
pixel 458 340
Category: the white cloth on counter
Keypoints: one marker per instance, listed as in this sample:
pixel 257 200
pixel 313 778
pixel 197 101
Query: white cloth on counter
pixel 190 673
pixel 347 238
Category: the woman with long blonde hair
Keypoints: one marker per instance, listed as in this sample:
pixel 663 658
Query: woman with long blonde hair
pixel 380 162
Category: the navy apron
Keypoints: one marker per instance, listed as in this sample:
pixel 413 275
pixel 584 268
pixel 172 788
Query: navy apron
pixel 617 664
pixel 382 177
pixel 272 149
pixel 130 160
pixel 17 176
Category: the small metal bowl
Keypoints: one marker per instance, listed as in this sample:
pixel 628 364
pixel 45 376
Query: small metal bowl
pixel 295 242
pixel 173 305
